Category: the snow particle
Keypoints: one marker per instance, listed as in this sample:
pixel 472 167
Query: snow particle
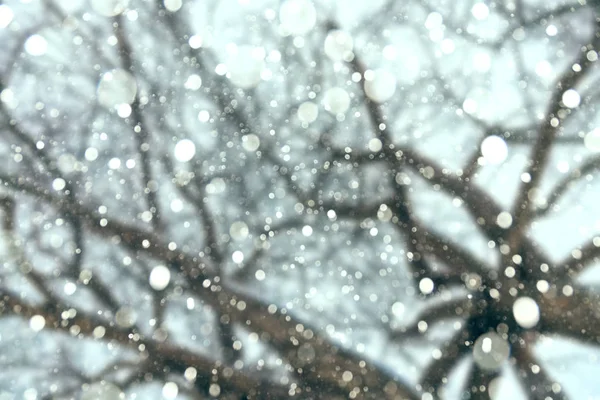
pixel 6 16
pixel 336 100
pixel 526 312
pixel 308 112
pixel 490 351
pixel 109 8
pixel 380 85
pixel 260 275
pixel 592 140
pixel 203 116
pixel 170 390
pixel 59 184
pixel 237 257
pixel 469 106
pixel 245 66
pixel 375 145
pixel 214 390
pixel 101 391
pixel 91 154
pixel 190 374
pixel 36 45
pixel 504 220
pixel 297 17
pixel 250 142
pixel 116 87
pixel 571 98
pixel 494 149
pixel 307 230
pixel 69 288
pixel 37 323
pixel 239 231
pixel 125 317
pixel 338 46
pixel 426 286
pixel 193 82
pixel 173 5
pixel 480 11
pixel 185 150
pixel 159 277
pixel 347 376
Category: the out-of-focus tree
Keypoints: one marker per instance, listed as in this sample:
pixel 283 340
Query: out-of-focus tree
pixel 313 200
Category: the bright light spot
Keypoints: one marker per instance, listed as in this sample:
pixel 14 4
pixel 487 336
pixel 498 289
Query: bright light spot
pixel 125 317
pixel 480 11
pixel 190 373
pixel 336 100
pixel 571 98
pixel 193 82
pixel 109 8
pixel 504 220
pixel 37 323
pixel 482 62
pixel 69 288
pixel 260 275
pixel 250 142
pixel 526 312
pixel 494 149
pixel 170 390
pixel 347 376
pixel 195 41
pixel 592 140
pixel 426 286
pixel 101 391
pixel 237 257
pixel 214 390
pixel 91 154
pixel 307 230
pixel 375 145
pixel 543 69
pixel 114 163
pixel 490 351
pixel 245 66
pixel 59 184
pixel 551 30
pixel 239 230
pixel 36 45
pixel 6 16
pixel 434 20
pixel 116 87
pixel 203 116
pixel 124 110
pixel 380 85
pixel 308 112
pixel 173 5
pixel 160 276
pixel 339 45
pixel 297 17
pixel 185 150
pixel 398 309
pixel 470 106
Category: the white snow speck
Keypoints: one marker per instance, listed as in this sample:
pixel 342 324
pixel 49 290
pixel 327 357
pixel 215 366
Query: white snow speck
pixel 336 100
pixel 490 351
pixel 193 82
pixel 592 140
pixel 426 286
pixel 91 154
pixel 239 231
pixel 59 184
pixel 380 85
pixel 245 66
pixel 109 8
pixel 526 312
pixel 37 323
pixel 237 257
pixel 36 45
pixel 297 17
pixel 173 5
pixel 504 220
pixel 308 112
pixel 260 275
pixel 116 87
pixel 494 149
pixel 160 276
pixel 307 230
pixel 250 142
pixel 571 98
pixel 480 11
pixel 101 391
pixel 185 150
pixel 170 390
pixel 6 16
pixel 339 46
